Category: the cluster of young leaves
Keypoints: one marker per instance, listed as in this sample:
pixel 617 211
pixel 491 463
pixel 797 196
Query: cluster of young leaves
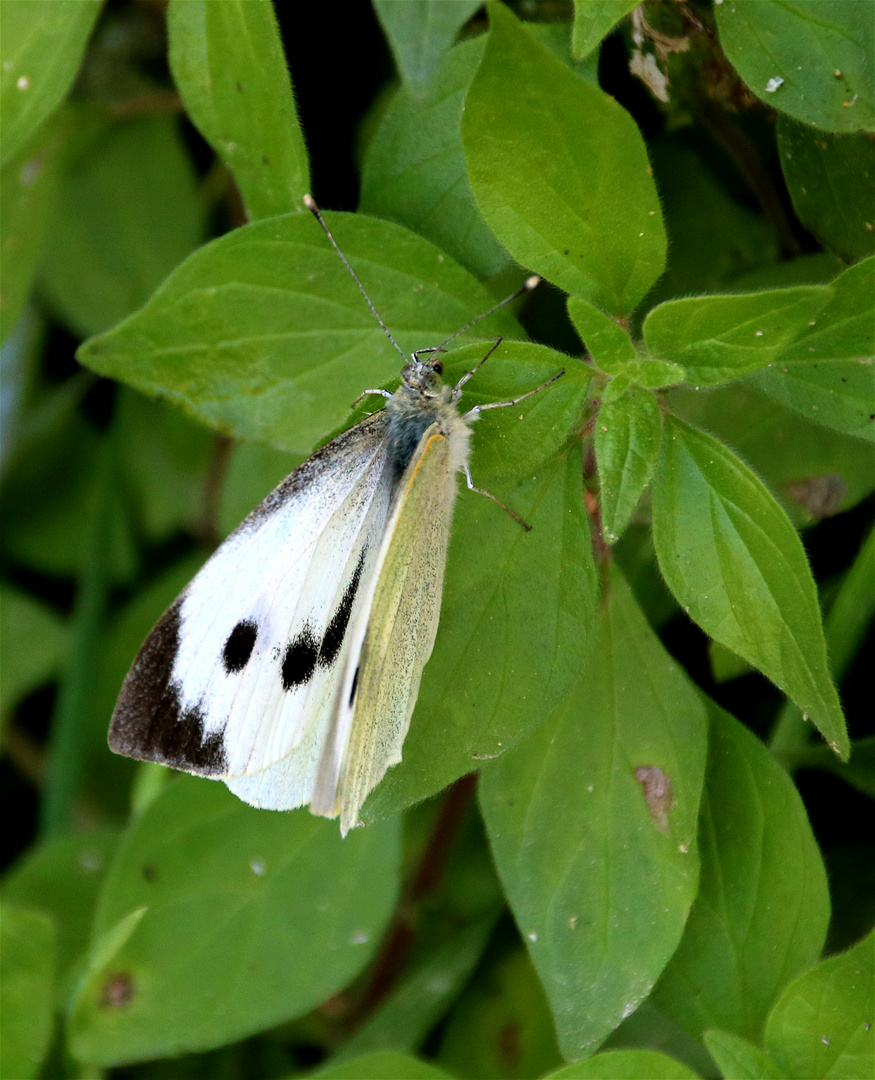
pixel 671 900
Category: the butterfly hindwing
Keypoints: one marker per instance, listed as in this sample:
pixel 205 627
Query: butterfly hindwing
pixel 393 637
pixel 237 679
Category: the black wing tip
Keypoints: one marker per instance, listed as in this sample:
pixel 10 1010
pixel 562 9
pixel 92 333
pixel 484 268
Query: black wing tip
pixel 148 723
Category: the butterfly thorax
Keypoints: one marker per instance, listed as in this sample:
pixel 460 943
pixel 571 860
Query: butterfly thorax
pixel 421 400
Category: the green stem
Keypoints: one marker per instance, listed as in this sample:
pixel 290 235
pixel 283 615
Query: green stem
pixel 67 742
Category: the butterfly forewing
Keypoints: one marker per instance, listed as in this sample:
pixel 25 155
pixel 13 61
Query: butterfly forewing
pixel 237 679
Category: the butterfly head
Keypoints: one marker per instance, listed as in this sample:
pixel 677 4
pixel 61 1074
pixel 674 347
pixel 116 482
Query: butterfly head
pixel 424 377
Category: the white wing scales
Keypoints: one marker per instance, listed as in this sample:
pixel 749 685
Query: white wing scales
pixel 239 673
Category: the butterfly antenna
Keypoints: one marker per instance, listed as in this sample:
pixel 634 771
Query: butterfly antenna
pixel 526 286
pixel 310 203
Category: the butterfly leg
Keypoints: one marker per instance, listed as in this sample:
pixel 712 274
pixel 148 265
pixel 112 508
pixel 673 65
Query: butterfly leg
pixel 515 401
pixel 498 502
pixel 367 393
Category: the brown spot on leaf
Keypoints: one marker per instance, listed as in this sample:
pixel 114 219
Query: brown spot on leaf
pixel 658 794
pixel 118 991
pixel 510 1047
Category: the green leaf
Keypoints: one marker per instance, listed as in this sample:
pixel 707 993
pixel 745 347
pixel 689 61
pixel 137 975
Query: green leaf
pixel 818 52
pixel 27 939
pixel 594 20
pixel 420 33
pixel 823 1024
pixel 560 172
pixel 33 640
pixel 830 179
pixel 712 237
pixel 128 212
pixel 584 816
pixel 627 434
pixel 501 1026
pixel 227 60
pixel 263 335
pixel 493 676
pixel 42 48
pixel 50 534
pixel 165 458
pixel 29 186
pixel 274 914
pixel 625 1065
pixel 762 909
pixel 811 455
pixel 720 338
pixel 62 878
pixel 737 567
pixel 384 1065
pixel 421 998
pixel 828 372
pixel 608 343
pixel 739 1058
pixel 414 170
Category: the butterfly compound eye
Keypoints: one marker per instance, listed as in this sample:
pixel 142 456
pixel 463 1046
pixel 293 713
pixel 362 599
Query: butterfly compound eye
pixel 438 366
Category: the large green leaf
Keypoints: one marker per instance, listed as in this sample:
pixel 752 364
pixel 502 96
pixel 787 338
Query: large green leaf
pixel 248 918
pixel 812 59
pixel 127 214
pixel 42 48
pixel 831 179
pixel 28 990
pixel 414 170
pixel 227 60
pixel 560 172
pixel 828 372
pixel 420 32
pixel 263 335
pixel 762 910
pixel 736 565
pixel 592 823
pixel 627 433
pixel 823 1024
pixel 720 338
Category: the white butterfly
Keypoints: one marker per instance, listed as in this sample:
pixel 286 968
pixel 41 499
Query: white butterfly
pixel 290 665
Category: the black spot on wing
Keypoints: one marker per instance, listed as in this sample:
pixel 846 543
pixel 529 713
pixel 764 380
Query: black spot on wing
pixel 336 629
pixel 239 646
pixel 147 722
pixel 299 660
pixel 354 687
